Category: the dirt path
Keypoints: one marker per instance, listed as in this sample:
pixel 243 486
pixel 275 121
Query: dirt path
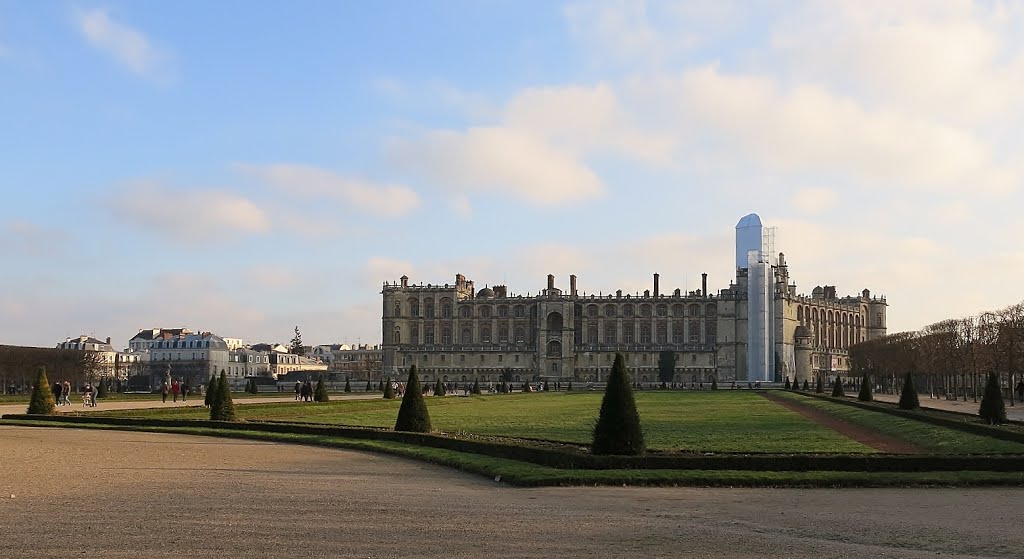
pixel 117 495
pixel 863 435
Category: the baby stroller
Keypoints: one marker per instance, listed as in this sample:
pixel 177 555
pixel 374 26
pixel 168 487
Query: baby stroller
pixel 87 400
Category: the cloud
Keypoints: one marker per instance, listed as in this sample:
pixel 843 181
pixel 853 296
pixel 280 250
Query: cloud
pixel 29 238
pixel 379 269
pixel 193 214
pixel 815 200
pixel 129 46
pixel 389 200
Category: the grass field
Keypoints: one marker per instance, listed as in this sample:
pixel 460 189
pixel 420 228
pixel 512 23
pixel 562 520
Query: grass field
pixel 722 421
pixel 932 438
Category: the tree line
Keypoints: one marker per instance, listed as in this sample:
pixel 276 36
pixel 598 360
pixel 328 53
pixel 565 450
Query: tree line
pixel 18 366
pixel 949 359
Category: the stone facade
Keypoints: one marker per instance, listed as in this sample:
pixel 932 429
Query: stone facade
pixel 455 333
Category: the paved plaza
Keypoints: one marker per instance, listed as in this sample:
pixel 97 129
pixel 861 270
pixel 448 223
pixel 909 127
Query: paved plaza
pixel 90 493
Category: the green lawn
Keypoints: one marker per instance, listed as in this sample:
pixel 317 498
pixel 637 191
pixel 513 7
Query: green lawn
pixel 932 438
pixel 722 421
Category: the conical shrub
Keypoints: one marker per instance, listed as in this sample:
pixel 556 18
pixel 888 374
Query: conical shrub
pixel 211 392
pixel 837 388
pixel 476 386
pixel 348 386
pixel 547 387
pixel 865 389
pixel 787 386
pixel 320 393
pixel 369 387
pixel 381 385
pixel 807 386
pixel 439 388
pixel 908 397
pixel 223 408
pixel 389 391
pixel 618 426
pixel 819 387
pixel 569 388
pixel 42 401
pixel 714 384
pixel 993 409
pixel 413 415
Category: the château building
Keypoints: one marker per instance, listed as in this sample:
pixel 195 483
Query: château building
pixel 757 329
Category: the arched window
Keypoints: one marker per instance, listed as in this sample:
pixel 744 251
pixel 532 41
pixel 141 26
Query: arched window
pixel 800 314
pixel 398 308
pixel 677 332
pixel 677 310
pixel 503 334
pixel 428 308
pixel 645 333
pixel 414 333
pixel 414 307
pixel 711 310
pixel 519 311
pixel 627 310
pixel 485 312
pixel 467 335
pixel 502 311
pixel 446 335
pixel 446 308
pixel 554 348
pixel 592 310
pixel 662 310
pixel 520 334
pixel 628 333
pixel 555 322
pixel 694 310
pixel 465 311
pixel 662 333
pixel 398 335
pixel 645 310
pixel 485 334
pixel 609 310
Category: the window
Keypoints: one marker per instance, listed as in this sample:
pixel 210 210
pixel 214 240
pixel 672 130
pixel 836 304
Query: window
pixel 398 309
pixel 662 310
pixel 592 310
pixel 554 349
pixel 627 310
pixel 467 336
pixel 645 333
pixel 503 334
pixel 645 310
pixel 465 311
pixel 609 334
pixel 609 310
pixel 414 334
pixel 398 336
pixel 485 312
pixel 446 308
pixel 517 358
pixel 503 311
pixel 592 332
pixel 519 311
pixel 428 335
pixel 711 310
pixel 710 333
pixel 628 333
pixel 694 310
pixel 694 332
pixel 662 333
pixel 520 334
pixel 414 307
pixel 677 332
pixel 485 334
pixel 500 358
pixel 462 359
pixel 428 308
pixel 446 335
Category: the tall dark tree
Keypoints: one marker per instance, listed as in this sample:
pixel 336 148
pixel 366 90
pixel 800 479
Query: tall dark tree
pixel 381 385
pixel 296 346
pixel 369 387
pixel 413 414
pixel 820 386
pixel 42 401
pixel 569 388
pixel 993 409
pixel 807 386
pixel 476 387
pixel 389 391
pixel 865 388
pixel 211 391
pixel 348 386
pixel 618 426
pixel 320 393
pixel 666 367
pixel 787 386
pixel 439 388
pixel 908 398
pixel 101 388
pixel 223 408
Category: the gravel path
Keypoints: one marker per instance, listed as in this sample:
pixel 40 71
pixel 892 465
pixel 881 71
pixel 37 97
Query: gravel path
pixel 195 402
pixel 145 495
pixel 863 435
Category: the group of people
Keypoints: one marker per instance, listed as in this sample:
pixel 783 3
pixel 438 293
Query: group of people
pixel 175 388
pixel 62 393
pixel 304 390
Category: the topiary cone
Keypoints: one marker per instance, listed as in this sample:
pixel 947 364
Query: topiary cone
pixel 476 386
pixel 618 425
pixel 820 386
pixel 42 401
pixel 787 386
pixel 389 391
pixel 992 408
pixel 865 389
pixel 348 386
pixel 908 397
pixel 223 407
pixel 211 392
pixel 807 386
pixel 413 415
pixel 320 393
pixel 837 388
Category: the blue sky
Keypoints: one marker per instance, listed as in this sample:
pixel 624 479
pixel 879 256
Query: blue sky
pixel 247 167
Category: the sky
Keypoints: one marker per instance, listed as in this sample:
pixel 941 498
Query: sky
pixel 245 168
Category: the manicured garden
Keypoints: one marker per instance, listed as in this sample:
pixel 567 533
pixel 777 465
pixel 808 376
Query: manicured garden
pixel 719 421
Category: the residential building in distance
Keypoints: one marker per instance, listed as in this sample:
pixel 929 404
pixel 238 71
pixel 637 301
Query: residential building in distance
pixel 106 359
pixel 356 361
pixel 759 328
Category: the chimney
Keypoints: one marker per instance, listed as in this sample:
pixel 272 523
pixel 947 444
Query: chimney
pixel 551 281
pixel 572 285
pixel 656 290
pixel 704 285
pixel 108 340
pixel 405 282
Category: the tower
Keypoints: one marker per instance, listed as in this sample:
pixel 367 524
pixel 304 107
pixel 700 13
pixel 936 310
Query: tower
pixel 755 248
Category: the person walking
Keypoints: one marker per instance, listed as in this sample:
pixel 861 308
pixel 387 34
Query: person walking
pixel 164 389
pixel 87 400
pixel 67 393
pixel 298 390
pixel 1020 391
pixel 175 389
pixel 57 390
pixel 184 390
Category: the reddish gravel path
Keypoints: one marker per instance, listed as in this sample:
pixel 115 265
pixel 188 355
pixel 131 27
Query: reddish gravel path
pixel 863 435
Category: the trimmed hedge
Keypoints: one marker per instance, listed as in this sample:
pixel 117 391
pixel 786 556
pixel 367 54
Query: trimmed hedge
pixel 571 459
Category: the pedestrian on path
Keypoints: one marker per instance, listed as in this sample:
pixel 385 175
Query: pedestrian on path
pixel 164 389
pixel 175 389
pixel 1020 391
pixel 184 391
